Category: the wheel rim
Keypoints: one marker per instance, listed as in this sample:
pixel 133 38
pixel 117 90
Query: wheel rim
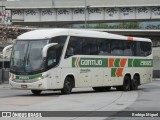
pixel 68 86
pixel 135 83
pixel 126 84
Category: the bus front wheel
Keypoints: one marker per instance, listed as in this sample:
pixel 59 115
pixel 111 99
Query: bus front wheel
pixel 36 92
pixel 67 87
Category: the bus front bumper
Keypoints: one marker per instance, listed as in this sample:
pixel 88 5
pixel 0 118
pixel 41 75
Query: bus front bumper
pixel 37 85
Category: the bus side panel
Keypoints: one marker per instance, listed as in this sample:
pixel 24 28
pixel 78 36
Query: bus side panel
pixel 97 77
pixel 145 75
pixel 65 69
pixel 117 81
pixel 53 79
pixel 107 79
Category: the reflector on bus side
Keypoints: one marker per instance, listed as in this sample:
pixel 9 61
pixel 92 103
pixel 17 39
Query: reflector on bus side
pixel 130 38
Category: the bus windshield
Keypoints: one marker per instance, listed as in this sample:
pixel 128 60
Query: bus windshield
pixel 27 56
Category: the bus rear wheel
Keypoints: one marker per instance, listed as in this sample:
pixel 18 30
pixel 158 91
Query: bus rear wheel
pixel 36 92
pixel 67 87
pixel 126 83
pixel 134 83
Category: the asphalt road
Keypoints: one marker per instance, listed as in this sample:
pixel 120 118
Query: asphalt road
pixel 146 98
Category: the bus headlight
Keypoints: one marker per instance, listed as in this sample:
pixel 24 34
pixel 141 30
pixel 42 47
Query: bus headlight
pixel 42 77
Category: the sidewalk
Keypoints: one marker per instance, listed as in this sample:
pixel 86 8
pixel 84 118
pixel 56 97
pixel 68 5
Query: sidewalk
pixel 4 85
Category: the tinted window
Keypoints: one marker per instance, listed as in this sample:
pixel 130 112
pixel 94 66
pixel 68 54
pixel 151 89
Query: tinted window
pixel 100 46
pixel 89 46
pixel 117 47
pixel 74 46
pixel 54 53
pixel 81 46
pixel 129 48
pixel 145 48
pixel 104 47
pixel 59 39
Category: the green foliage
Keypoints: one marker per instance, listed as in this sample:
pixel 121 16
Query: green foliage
pixel 125 25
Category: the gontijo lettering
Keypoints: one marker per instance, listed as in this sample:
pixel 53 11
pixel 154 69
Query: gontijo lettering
pixel 91 62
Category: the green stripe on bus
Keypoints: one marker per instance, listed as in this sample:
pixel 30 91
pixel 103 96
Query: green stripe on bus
pixel 130 62
pixel 113 72
pixel 90 62
pixel 73 61
pixel 140 63
pixel 27 77
pixel 116 62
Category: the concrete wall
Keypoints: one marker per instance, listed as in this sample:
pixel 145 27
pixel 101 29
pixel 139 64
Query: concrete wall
pixel 78 14
pixel 156 62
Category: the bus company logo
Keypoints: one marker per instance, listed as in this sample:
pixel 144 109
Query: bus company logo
pixel 89 62
pixel 24 77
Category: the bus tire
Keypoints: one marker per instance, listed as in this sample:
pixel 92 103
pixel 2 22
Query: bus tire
pixel 36 92
pixel 126 83
pixel 134 83
pixel 67 87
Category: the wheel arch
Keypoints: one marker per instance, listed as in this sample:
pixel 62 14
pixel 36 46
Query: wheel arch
pixel 129 75
pixel 71 76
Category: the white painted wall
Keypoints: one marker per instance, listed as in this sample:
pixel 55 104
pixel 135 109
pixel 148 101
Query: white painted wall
pixel 31 15
pixel 92 14
pixel 48 15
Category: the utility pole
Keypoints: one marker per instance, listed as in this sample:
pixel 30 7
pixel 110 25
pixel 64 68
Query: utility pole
pixel 85 15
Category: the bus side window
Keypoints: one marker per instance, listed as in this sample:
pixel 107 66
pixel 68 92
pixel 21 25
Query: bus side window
pixel 70 47
pixel 70 51
pixel 74 46
pixel 117 48
pixel 128 51
pixel 104 47
pixel 51 57
pixel 145 48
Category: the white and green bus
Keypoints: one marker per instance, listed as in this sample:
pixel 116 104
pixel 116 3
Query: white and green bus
pixel 62 59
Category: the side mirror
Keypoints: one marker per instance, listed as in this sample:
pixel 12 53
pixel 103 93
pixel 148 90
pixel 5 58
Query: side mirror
pixel 45 49
pixel 5 49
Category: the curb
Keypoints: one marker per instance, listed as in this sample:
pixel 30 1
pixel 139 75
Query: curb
pixel 156 79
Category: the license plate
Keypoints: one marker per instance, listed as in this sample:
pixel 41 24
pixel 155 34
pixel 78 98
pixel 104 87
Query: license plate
pixel 24 86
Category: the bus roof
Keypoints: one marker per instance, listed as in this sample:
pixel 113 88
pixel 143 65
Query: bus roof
pixel 49 33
